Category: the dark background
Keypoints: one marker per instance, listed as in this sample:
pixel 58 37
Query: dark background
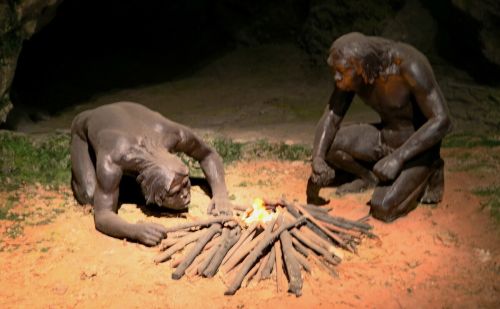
pixel 93 46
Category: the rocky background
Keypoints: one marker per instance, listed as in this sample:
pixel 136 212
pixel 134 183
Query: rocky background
pixel 19 20
pixel 460 37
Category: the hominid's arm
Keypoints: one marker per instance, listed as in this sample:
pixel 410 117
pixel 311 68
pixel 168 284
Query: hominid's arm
pixel 210 160
pixel 83 180
pixel 106 218
pixel 106 200
pixel 433 106
pixel 329 123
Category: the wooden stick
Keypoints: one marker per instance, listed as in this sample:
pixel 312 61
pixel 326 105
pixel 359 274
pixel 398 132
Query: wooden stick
pixel 177 259
pixel 193 268
pixel 329 247
pixel 252 272
pixel 202 265
pixel 268 268
pixel 278 266
pixel 303 262
pixel 168 242
pixel 214 264
pixel 188 247
pixel 311 225
pixel 241 253
pixel 177 234
pixel 165 255
pixel 204 222
pixel 214 242
pixel 244 236
pixel 315 247
pixel 363 219
pixel 342 230
pixel 318 209
pixel 291 264
pixel 245 250
pixel 348 226
pixel 202 241
pixel 299 247
pixel 345 223
pixel 229 276
pixel 171 239
pixel 263 262
pixel 312 235
pixel 240 207
pixel 258 251
pixel 204 255
pixel 322 228
pixel 324 265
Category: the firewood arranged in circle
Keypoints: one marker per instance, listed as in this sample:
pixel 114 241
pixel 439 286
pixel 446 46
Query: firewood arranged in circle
pixel 280 238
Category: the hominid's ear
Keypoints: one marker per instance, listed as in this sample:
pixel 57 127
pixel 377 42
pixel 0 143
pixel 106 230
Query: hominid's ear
pixel 329 60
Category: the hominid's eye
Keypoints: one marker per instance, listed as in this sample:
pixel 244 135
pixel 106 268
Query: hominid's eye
pixel 174 190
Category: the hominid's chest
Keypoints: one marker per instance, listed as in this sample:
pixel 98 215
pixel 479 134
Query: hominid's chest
pixel 388 95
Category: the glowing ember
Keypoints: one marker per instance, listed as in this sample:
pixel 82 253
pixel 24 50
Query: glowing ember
pixel 257 213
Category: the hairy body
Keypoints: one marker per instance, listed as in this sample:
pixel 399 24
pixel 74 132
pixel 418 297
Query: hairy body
pixel 400 155
pixel 128 139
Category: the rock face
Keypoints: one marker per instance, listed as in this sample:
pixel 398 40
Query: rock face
pixel 463 33
pixel 19 20
pixel 486 16
pixel 329 19
pixel 413 24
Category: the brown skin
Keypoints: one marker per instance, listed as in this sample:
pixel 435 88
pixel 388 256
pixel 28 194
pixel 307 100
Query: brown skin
pixel 397 81
pixel 124 137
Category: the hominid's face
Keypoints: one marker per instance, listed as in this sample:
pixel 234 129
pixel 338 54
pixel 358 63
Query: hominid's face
pixel 179 194
pixel 345 75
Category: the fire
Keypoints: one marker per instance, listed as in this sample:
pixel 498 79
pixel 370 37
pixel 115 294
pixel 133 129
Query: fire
pixel 258 213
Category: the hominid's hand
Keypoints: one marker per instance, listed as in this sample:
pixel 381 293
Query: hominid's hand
pixel 388 168
pixel 150 234
pixel 322 173
pixel 220 206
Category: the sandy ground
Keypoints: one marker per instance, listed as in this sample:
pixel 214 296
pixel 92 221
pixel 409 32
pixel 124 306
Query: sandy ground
pixel 437 257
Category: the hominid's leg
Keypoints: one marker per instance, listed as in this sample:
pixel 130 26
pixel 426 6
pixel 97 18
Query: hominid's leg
pixel 83 177
pixel 392 201
pixel 435 186
pixel 346 162
pixel 353 145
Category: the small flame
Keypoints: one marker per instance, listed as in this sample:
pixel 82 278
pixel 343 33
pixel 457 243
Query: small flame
pixel 257 213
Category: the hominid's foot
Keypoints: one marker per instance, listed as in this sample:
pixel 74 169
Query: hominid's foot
pixel 317 200
pixel 356 186
pixel 435 186
pixel 312 193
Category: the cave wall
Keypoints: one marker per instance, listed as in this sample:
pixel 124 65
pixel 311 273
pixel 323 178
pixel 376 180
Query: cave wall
pixel 329 19
pixel 469 36
pixel 487 16
pixel 19 20
pixel 464 33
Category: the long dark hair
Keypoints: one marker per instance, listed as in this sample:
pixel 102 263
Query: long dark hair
pixel 156 169
pixel 372 54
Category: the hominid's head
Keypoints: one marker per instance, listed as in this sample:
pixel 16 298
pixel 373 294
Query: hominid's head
pixel 164 181
pixel 356 55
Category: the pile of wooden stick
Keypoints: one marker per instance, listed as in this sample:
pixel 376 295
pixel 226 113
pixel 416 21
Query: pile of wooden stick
pixel 284 246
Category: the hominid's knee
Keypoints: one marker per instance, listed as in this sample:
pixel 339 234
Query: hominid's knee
pixel 384 208
pixel 336 155
pixel 383 214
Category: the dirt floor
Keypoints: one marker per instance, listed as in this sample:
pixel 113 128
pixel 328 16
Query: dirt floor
pixel 447 256
pixel 437 257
